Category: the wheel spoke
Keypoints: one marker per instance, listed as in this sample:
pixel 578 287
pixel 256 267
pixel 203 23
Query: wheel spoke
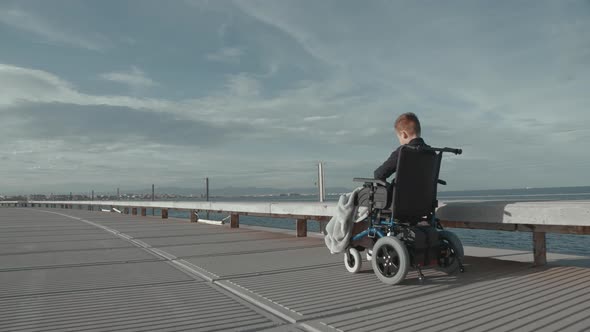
pixel 387 251
pixel 395 264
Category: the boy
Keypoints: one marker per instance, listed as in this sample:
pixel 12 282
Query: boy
pixel 407 129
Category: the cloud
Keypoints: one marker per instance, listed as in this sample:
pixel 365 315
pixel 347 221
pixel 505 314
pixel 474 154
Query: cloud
pixel 135 78
pixel 509 87
pixel 99 124
pixel 319 118
pixel 226 55
pixel 25 85
pixel 277 16
pixel 51 33
pixel 243 86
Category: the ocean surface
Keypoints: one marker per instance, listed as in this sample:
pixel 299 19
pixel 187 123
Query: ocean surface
pixel 557 243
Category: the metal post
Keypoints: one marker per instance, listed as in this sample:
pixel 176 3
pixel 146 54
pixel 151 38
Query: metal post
pixel 71 196
pixel 207 194
pixel 322 190
pixel 153 197
pixel 118 195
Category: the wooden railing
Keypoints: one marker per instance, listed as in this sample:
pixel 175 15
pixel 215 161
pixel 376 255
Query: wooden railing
pixel 10 203
pixel 569 217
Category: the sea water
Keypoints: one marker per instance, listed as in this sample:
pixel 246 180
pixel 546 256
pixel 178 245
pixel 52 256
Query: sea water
pixel 557 243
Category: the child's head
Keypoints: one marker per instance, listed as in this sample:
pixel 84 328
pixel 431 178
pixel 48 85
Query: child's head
pixel 407 127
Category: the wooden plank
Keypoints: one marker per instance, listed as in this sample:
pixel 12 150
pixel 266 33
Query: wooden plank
pixel 143 212
pixel 134 211
pixel 539 248
pixel 235 220
pixel 301 227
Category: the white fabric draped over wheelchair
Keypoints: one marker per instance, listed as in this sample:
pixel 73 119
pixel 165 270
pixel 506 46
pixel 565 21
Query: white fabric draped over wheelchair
pixel 339 229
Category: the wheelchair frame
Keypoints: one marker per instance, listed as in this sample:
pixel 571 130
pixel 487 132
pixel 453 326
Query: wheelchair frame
pixel 381 225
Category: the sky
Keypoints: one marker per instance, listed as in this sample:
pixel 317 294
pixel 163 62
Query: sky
pixel 106 94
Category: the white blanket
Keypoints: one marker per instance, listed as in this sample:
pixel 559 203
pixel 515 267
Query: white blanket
pixel 339 229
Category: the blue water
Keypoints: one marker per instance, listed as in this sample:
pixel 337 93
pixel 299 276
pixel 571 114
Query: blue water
pixel 557 243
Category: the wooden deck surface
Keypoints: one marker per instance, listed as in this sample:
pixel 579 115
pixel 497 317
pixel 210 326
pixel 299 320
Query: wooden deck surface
pixel 75 270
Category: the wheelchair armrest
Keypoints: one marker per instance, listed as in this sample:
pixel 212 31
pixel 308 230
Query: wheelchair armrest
pixel 368 180
pixel 443 182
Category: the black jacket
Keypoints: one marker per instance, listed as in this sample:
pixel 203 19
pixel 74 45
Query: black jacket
pixel 388 168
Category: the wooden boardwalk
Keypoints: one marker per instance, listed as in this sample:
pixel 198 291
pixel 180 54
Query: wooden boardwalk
pixel 76 270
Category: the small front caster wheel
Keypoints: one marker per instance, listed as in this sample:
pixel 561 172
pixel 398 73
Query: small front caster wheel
pixel 352 260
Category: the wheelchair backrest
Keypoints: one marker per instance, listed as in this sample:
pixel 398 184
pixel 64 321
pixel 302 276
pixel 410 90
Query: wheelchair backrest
pixel 414 192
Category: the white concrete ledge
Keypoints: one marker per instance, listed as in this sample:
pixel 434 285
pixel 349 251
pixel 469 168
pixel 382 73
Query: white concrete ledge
pixel 555 213
pixel 311 209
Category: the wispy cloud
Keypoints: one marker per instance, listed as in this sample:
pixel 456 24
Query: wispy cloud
pixel 226 54
pixel 243 86
pixel 49 32
pixel 135 78
pixel 320 118
pixel 277 16
pixel 294 86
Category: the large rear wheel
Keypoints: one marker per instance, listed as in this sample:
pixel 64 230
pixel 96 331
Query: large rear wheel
pixel 451 252
pixel 390 260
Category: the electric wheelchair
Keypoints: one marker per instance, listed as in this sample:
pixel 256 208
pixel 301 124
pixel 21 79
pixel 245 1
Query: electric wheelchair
pixel 401 227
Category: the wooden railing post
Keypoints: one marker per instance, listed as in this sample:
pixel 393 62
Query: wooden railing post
pixel 301 227
pixel 193 215
pixel 164 213
pixel 143 212
pixel 539 248
pixel 134 211
pixel 234 220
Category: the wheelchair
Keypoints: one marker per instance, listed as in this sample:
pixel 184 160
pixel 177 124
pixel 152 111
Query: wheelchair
pixel 401 227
